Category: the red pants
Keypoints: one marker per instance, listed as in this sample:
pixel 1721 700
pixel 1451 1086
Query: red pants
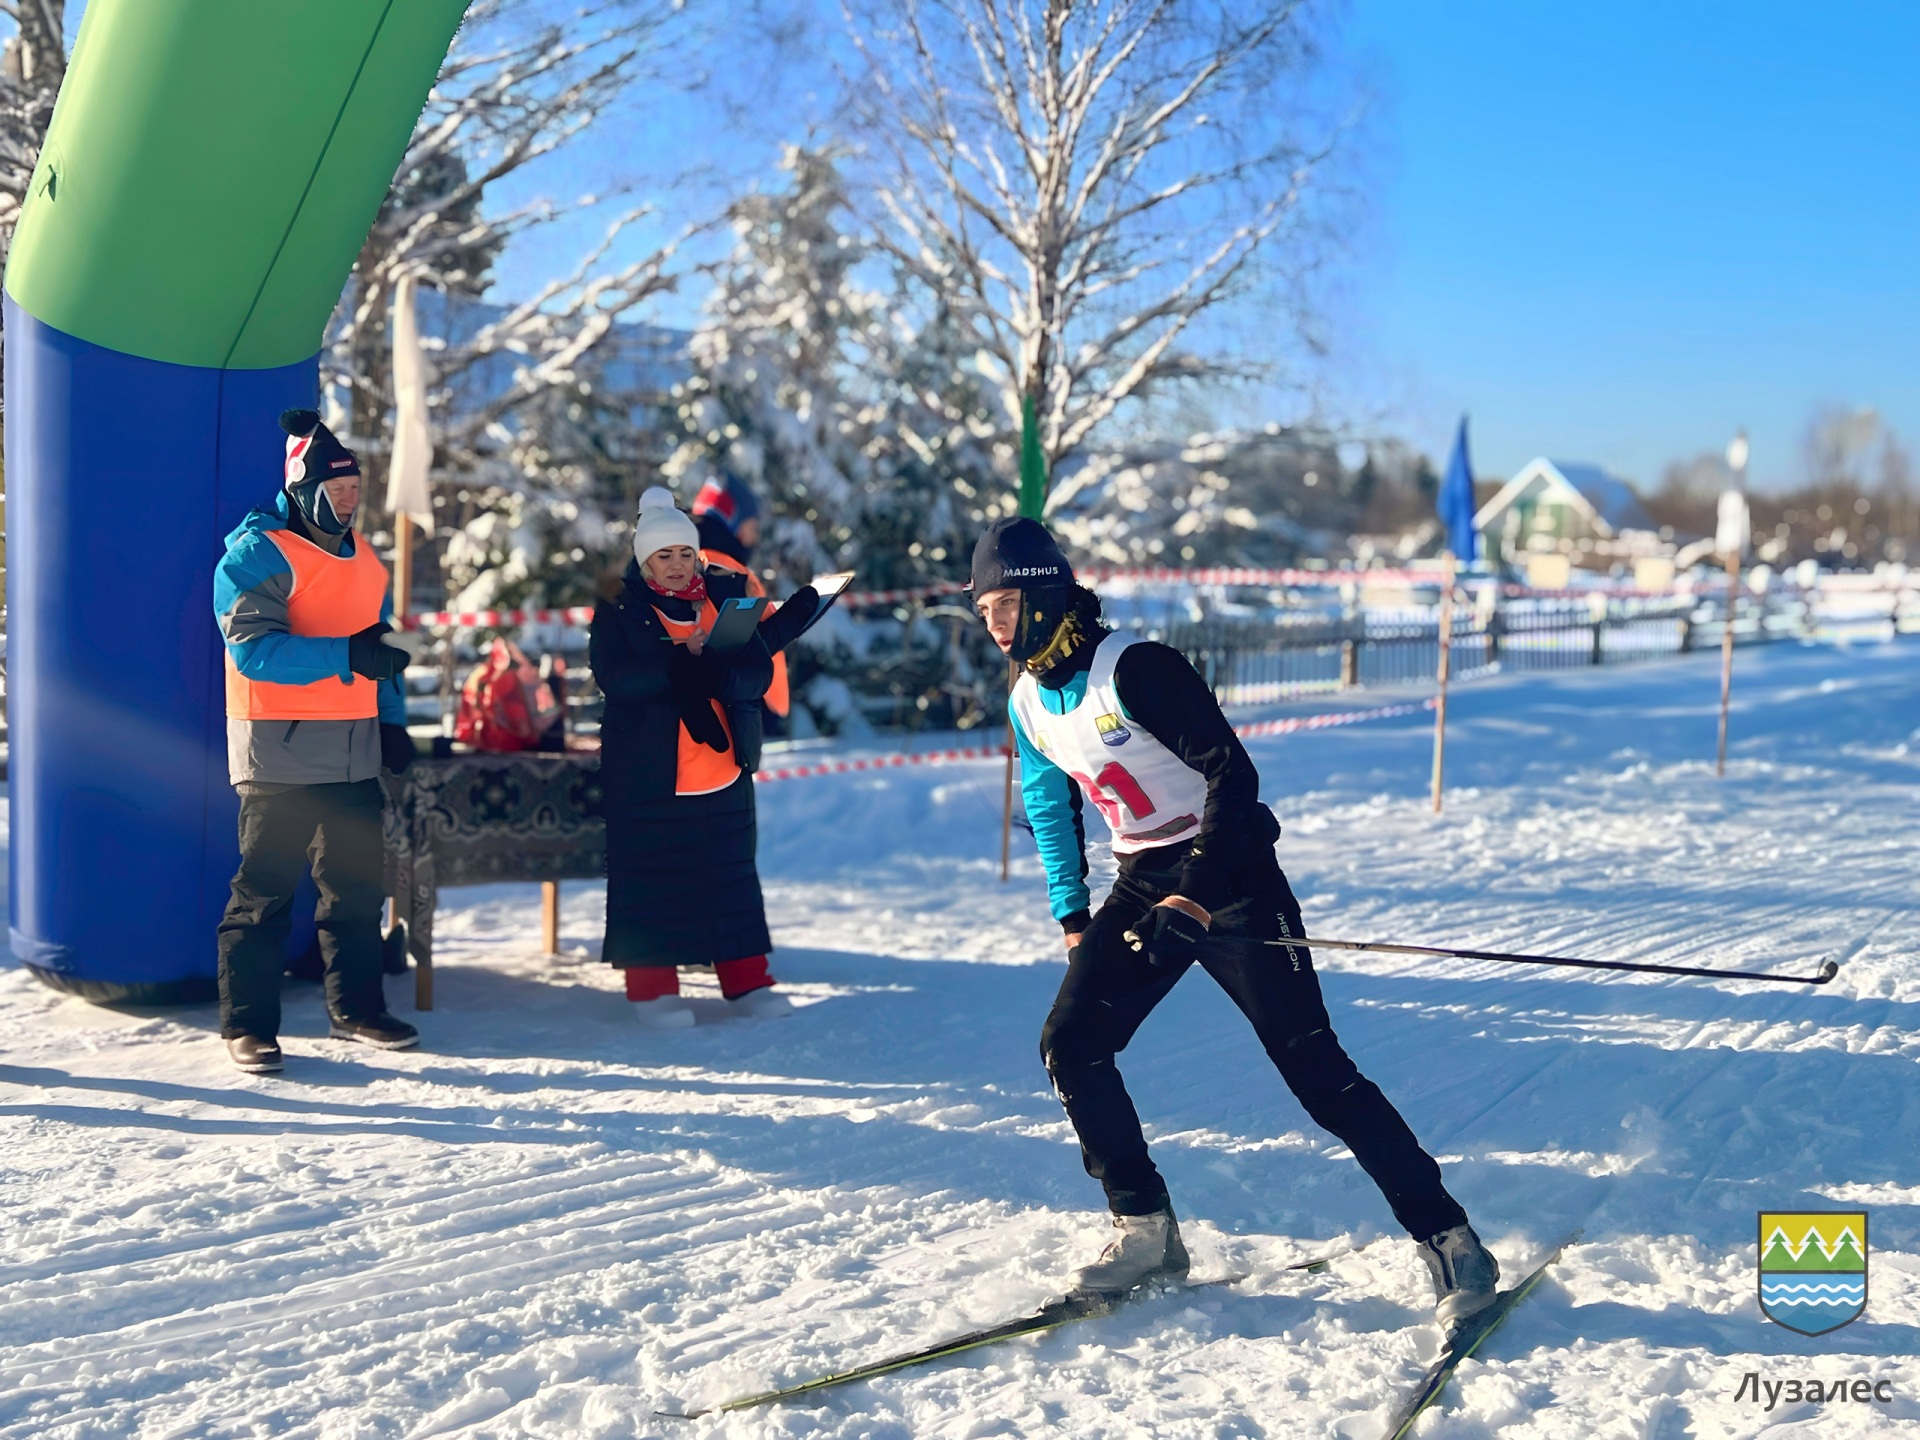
pixel 737 978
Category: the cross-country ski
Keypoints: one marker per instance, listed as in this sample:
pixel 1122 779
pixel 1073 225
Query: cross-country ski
pixel 1051 1316
pixel 1462 1343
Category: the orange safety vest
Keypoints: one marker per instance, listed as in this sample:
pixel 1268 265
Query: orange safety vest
pixel 699 769
pixel 332 595
pixel 777 698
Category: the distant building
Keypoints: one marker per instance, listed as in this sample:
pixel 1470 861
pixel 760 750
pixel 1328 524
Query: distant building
pixel 1560 507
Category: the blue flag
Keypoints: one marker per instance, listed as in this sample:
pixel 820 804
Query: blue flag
pixel 1455 501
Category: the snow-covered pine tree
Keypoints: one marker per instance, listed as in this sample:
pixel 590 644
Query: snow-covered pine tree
pixel 776 394
pixel 869 440
pixel 543 514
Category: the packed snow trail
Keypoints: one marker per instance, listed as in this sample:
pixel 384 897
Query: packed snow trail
pixel 548 1223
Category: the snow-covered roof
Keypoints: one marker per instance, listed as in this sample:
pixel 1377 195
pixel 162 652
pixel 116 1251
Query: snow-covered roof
pixel 1610 503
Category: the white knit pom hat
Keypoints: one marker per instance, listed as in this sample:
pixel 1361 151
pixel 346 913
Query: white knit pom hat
pixel 661 523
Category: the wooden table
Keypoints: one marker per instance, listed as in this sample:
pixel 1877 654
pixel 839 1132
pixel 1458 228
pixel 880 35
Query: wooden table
pixel 475 819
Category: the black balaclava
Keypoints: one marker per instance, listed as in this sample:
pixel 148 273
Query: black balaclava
pixel 1018 553
pixel 313 458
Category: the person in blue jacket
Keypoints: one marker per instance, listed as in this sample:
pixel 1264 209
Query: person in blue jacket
pixel 1130 726
pixel 314 710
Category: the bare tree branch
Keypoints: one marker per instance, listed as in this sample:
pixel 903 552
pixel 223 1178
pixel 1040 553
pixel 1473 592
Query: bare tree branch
pixel 1082 181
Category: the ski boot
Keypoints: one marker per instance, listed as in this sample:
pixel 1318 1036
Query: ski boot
pixel 1147 1248
pixel 1464 1276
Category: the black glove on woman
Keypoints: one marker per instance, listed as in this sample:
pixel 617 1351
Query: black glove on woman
pixel 783 627
pixel 696 679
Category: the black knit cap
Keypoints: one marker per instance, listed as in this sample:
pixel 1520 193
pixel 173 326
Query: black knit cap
pixel 314 457
pixel 1018 553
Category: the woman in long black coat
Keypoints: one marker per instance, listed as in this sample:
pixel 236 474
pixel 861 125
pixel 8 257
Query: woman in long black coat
pixel 679 743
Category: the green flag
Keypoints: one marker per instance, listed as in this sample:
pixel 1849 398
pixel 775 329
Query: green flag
pixel 1033 464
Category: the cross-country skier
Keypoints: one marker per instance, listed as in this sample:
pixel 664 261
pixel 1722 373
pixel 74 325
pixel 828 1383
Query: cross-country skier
pixel 1131 725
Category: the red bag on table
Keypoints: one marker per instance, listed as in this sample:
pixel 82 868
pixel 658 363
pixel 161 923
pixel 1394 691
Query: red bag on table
pixel 505 705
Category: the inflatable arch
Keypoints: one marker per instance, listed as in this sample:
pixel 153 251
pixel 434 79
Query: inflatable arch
pixel 211 173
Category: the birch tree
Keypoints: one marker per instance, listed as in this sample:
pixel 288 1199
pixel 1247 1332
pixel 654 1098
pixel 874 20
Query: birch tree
pixel 517 86
pixel 1085 180
pixel 530 463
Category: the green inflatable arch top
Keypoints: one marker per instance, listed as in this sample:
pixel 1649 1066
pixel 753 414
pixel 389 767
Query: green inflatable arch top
pixel 213 167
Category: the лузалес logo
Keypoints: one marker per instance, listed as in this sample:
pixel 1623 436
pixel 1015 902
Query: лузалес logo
pixel 1813 1268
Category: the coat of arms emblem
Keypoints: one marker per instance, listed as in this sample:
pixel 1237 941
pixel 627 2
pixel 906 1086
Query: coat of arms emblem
pixel 1813 1268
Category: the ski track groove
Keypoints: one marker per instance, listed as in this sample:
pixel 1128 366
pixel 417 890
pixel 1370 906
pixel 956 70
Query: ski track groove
pixel 690 1225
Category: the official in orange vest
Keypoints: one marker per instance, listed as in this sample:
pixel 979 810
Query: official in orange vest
pixel 679 742
pixel 314 710
pixel 728 518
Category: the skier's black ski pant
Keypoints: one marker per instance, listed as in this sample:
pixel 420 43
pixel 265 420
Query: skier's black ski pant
pixel 284 831
pixel 1111 988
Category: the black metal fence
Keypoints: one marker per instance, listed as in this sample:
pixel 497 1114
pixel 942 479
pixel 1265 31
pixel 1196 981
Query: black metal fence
pixel 1267 648
pixel 1252 661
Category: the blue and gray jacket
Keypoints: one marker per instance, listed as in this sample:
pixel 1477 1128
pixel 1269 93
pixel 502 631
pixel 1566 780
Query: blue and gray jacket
pixel 252 585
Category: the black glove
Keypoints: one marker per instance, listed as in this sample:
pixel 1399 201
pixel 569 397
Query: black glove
pixel 783 627
pixel 396 748
pixel 695 676
pixel 696 679
pixel 1170 936
pixel 367 656
pixel 703 724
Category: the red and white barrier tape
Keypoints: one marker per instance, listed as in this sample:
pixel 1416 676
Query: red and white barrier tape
pixel 1171 575
pixel 1287 726
pixel 883 762
pixel 862 599
pixel 1295 723
pixel 1243 575
pixel 494 619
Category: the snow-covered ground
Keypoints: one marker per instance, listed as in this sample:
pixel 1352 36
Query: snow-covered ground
pixel 549 1223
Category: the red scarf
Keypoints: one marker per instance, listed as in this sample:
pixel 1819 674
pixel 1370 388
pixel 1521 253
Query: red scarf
pixel 696 592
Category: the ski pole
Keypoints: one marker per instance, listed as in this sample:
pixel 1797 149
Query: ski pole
pixel 1828 968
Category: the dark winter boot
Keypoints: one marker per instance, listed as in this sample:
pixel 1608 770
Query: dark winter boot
pixel 255 1056
pixel 1147 1247
pixel 382 1031
pixel 1464 1275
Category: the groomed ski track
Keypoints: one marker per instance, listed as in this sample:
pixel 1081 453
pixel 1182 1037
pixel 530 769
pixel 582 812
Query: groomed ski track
pixel 548 1224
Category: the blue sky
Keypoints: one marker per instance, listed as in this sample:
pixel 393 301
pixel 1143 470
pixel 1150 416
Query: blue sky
pixel 1619 231
pixel 1609 230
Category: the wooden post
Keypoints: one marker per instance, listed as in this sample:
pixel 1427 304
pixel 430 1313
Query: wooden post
pixel 550 917
pixel 1006 796
pixel 1726 658
pixel 1446 658
pixel 402 566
